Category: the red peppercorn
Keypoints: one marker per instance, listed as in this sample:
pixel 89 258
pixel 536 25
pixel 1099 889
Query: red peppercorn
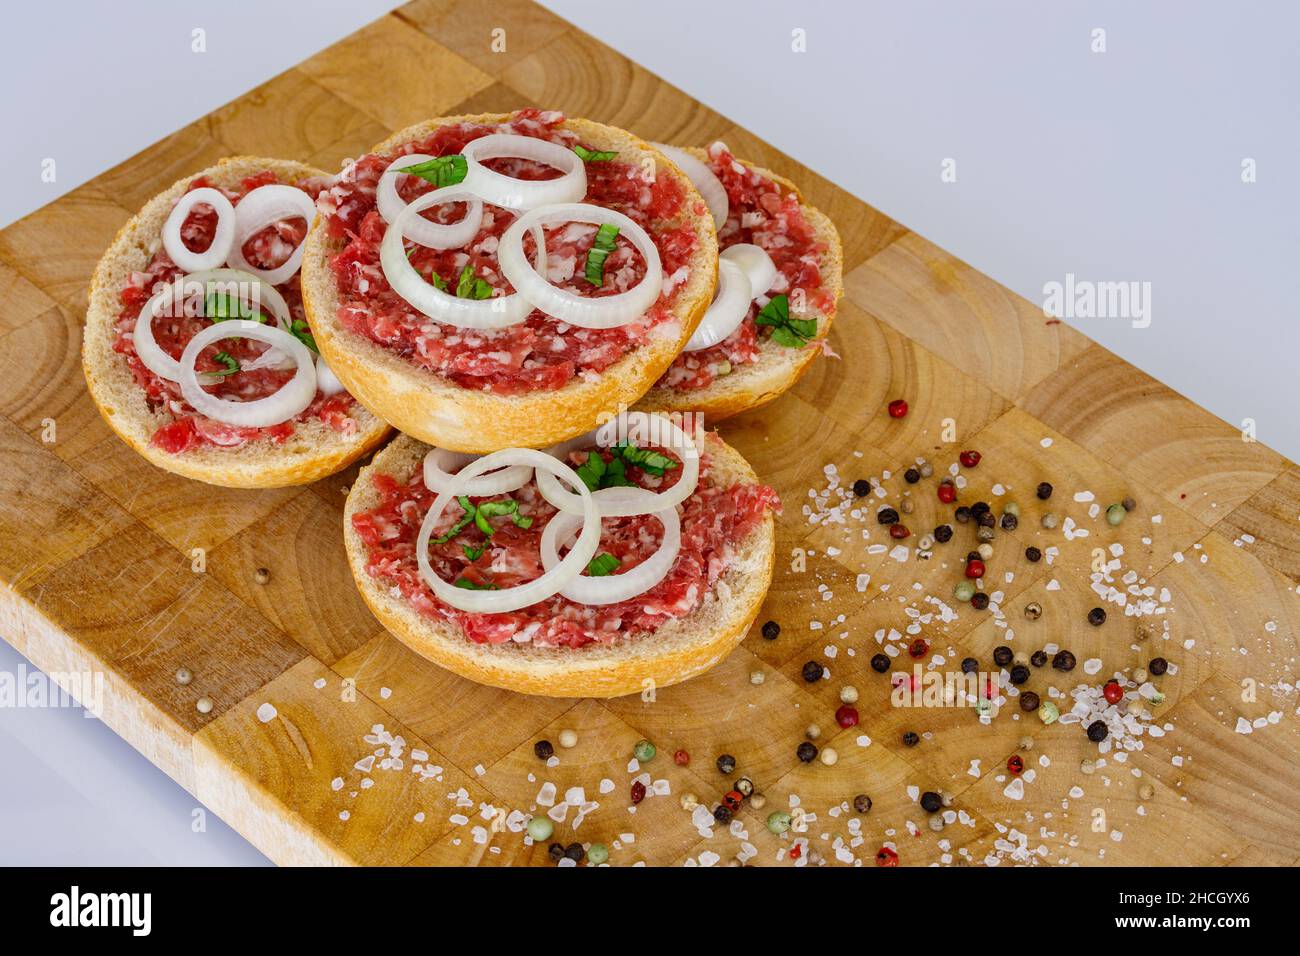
pixel 1113 692
pixel 898 531
pixel 886 857
pixel 969 459
pixel 897 408
pixel 681 758
pixel 732 799
pixel 846 716
pixel 947 494
pixel 918 648
pixel 638 791
pixel 974 569
pixel 1016 764
pixel 796 851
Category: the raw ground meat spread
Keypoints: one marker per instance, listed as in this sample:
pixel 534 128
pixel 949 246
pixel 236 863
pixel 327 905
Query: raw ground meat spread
pixel 265 250
pixel 540 353
pixel 715 518
pixel 762 213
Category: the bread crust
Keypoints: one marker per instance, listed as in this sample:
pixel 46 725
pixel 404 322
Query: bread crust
pixel 777 368
pixel 675 652
pixel 435 410
pixel 314 451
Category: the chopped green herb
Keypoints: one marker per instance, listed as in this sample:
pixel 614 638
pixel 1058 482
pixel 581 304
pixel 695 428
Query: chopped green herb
pixel 495 509
pixel 226 359
pixel 301 331
pixel 438 281
pixel 459 526
pixel 443 171
pixel 786 330
pixel 469 585
pixel 593 156
pixel 219 308
pixel 473 553
pixel 651 462
pixel 596 473
pixel 602 564
pixel 468 286
pixel 600 249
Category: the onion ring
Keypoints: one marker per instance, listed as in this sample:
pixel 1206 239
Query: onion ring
pixel 539 589
pixel 588 312
pixel 326 381
pixel 439 479
pixel 222 240
pixel 290 400
pixel 758 265
pixel 523 194
pixel 433 235
pixel 260 208
pixel 703 179
pixel 727 311
pixel 613 588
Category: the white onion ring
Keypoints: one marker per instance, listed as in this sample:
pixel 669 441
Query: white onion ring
pixel 678 441
pixel 326 381
pixel 433 235
pixel 727 311
pixel 290 400
pixel 613 588
pixel 498 312
pixel 523 194
pixel 703 179
pixel 539 589
pixel 222 240
pixel 588 312
pixel 260 208
pixel 758 265
pixel 439 463
pixel 147 348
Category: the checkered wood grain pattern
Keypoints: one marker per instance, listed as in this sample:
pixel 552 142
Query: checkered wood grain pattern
pixel 109 564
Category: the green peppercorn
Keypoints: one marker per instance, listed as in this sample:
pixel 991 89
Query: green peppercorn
pixel 644 751
pixel 1048 712
pixel 1115 514
pixel 778 821
pixel 540 828
pixel 1011 508
pixel 964 590
pixel 597 854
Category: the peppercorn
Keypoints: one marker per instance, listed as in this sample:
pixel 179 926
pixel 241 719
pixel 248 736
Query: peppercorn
pixel 1049 521
pixel 848 694
pixel 1048 712
pixel 899 531
pixel 862 803
pixel 879 663
pixel 886 857
pixel 927 469
pixel 1033 610
pixel 969 665
pixel 897 408
pixel 644 751
pixel 1019 674
pixel 1029 701
pixel 910 739
pixel 906 506
pixel 812 672
pixel 943 533
pixel 1157 666
pixel 830 756
pixel 1063 661
pixel 262 575
pixel 681 758
pixel 979 600
pixel 778 821
pixel 973 556
pixel 721 814
pixel 975 569
pixel 597 854
pixel 969 459
pixel 1038 658
pixel 806 752
pixel 1097 617
pixel 1115 514
pixel 1009 521
pixel 544 750
pixel 1097 731
pixel 638 791
pixel 1044 491
pixel 1033 554
pixel 1113 692
pixel 985 534
pixel 1016 764
pixel 1129 504
pixel 771 630
pixel 555 851
pixel 918 648
pixel 732 800
pixel 540 828
pixel 964 591
pixel 887 516
pixel 986 520
pixel 947 492
pixel 575 852
pixel 979 509
pixel 911 476
pixel 1002 655
pixel 962 514
pixel 931 802
pixel 846 716
pixel 862 487
pixel 726 764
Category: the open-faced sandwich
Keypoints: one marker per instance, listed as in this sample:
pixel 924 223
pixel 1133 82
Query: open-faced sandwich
pixel 197 350
pixel 484 282
pixel 780 275
pixel 632 558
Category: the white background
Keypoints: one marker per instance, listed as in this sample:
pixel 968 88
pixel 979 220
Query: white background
pixel 1123 165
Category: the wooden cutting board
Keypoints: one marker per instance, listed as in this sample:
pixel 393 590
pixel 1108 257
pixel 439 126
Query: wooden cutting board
pixel 110 565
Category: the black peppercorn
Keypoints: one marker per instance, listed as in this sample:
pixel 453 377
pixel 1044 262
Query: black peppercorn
pixel 931 802
pixel 806 752
pixel 979 509
pixel 1009 522
pixel 979 600
pixel 880 663
pixel 962 514
pixel 722 814
pixel 812 672
pixel 987 520
pixel 973 556
pixel 862 487
pixel 1097 617
pixel 1158 666
pixel 911 476
pixel 862 803
pixel 943 533
pixel 969 665
pixel 727 764
pixel 910 739
pixel 1019 674
pixel 1029 701
pixel 1038 658
pixel 575 852
pixel 1044 491
pixel 1063 661
pixel 887 516
pixel 1033 554
pixel 1097 731
pixel 1003 655
pixel 771 630
pixel 555 851
pixel 543 749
